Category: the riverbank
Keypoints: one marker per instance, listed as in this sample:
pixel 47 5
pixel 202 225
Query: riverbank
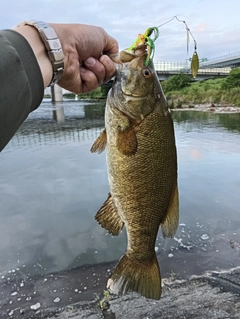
pixel 214 108
pixel 214 295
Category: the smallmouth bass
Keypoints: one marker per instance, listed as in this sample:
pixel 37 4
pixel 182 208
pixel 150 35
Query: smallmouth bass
pixel 142 172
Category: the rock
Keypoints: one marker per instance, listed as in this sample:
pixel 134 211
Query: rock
pixel 213 296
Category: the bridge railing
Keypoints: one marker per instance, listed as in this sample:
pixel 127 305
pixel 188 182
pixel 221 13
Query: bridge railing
pixel 170 66
pixel 184 67
pixel 226 57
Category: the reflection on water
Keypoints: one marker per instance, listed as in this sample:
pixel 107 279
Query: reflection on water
pixel 51 187
pixel 61 122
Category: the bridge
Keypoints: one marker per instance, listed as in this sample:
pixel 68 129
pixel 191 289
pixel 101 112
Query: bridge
pixel 231 60
pixel 166 69
pixel 209 68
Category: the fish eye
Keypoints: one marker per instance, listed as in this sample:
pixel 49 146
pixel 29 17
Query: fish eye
pixel 147 73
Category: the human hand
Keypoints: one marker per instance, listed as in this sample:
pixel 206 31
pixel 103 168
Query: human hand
pixel 85 64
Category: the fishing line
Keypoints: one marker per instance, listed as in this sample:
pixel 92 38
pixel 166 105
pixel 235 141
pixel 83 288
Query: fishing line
pixel 199 25
pixel 187 29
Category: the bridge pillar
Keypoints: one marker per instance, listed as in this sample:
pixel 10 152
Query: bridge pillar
pixel 56 92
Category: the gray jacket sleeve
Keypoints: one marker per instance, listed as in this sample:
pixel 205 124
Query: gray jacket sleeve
pixel 21 83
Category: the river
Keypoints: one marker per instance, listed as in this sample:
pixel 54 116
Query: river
pixel 51 187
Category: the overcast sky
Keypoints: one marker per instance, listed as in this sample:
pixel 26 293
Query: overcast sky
pixel 215 24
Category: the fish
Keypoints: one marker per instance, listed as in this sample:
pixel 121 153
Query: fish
pixel 141 159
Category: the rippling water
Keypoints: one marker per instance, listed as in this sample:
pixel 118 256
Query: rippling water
pixel 51 186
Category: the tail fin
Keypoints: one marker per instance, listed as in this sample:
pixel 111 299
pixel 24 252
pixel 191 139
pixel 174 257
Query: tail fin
pixel 131 274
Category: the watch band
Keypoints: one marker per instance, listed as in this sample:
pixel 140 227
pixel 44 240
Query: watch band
pixel 53 46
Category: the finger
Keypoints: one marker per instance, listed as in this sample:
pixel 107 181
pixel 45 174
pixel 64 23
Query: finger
pixel 89 80
pixel 96 67
pixel 109 66
pixel 111 45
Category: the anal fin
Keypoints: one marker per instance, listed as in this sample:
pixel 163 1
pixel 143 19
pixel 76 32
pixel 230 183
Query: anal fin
pixel 100 143
pixel 170 223
pixel 108 217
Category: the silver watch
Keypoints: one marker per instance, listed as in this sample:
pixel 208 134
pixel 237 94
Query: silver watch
pixel 53 46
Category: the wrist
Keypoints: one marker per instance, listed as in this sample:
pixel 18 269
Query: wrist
pixel 32 36
pixel 47 49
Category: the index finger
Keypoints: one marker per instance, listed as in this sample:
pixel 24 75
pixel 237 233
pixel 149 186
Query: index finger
pixel 111 45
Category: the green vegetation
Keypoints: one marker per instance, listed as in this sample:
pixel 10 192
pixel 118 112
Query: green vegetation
pixel 180 88
pixel 104 303
pixel 176 82
pixel 233 80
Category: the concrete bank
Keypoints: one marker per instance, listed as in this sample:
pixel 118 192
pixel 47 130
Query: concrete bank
pixel 212 296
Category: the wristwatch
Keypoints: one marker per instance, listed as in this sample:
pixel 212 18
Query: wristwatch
pixel 53 47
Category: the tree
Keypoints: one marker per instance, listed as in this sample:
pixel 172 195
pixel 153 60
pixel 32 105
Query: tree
pixel 233 79
pixel 176 82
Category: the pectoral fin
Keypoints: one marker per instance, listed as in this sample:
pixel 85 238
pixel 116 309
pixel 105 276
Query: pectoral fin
pixel 100 143
pixel 170 223
pixel 127 141
pixel 108 217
